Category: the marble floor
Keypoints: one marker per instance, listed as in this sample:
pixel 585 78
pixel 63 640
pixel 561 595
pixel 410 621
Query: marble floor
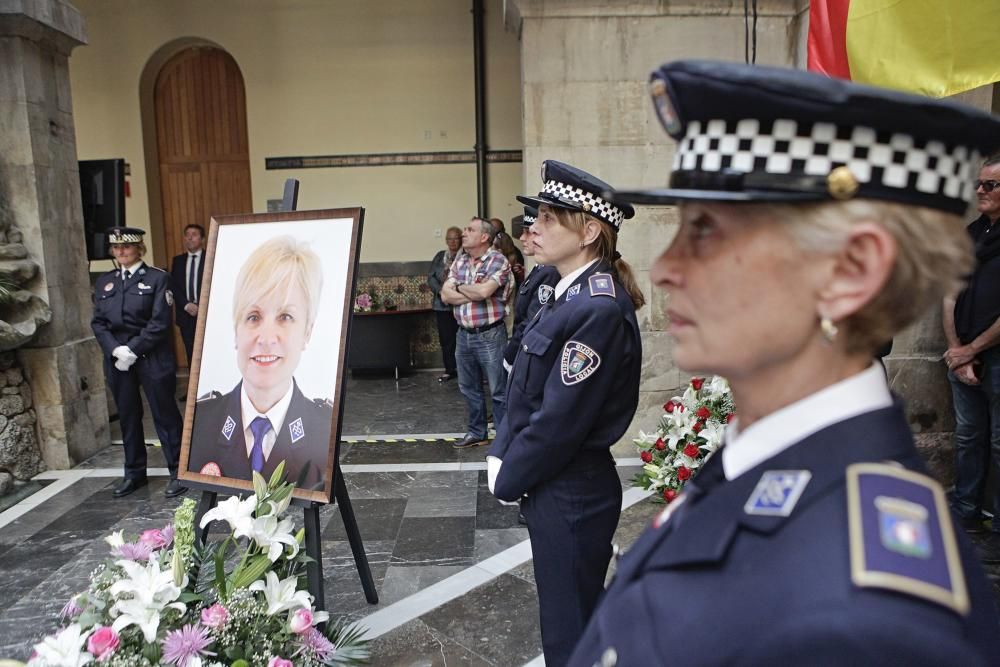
pixel 452 567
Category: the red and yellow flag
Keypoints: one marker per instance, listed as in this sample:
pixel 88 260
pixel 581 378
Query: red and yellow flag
pixel 934 47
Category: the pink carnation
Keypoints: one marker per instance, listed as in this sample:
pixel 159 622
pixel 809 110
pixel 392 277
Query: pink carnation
pixel 103 643
pixel 215 616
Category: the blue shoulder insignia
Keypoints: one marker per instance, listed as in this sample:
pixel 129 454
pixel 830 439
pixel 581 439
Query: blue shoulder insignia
pixel 901 535
pixel 601 284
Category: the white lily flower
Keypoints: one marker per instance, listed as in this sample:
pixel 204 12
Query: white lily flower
pixel 271 534
pixel 64 649
pixel 150 591
pixel 237 513
pixel 281 595
pixel 115 539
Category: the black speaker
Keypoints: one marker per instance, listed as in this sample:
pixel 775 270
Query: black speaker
pixel 102 191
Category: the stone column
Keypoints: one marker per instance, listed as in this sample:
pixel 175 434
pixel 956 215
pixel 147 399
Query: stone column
pixel 40 184
pixel 585 69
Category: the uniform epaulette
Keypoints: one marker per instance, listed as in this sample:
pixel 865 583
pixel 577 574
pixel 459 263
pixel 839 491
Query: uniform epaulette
pixel 155 268
pixel 210 396
pixel 901 535
pixel 323 402
pixel 601 284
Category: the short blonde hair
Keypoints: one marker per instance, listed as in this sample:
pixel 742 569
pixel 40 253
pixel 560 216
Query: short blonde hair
pixel 933 260
pixel 280 263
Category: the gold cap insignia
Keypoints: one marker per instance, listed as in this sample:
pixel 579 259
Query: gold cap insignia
pixel 841 183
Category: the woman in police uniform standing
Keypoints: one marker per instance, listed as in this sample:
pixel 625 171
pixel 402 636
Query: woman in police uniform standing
pixel 573 390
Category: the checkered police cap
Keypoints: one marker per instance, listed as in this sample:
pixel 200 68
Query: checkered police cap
pixel 567 187
pixel 530 215
pixel 125 235
pixel 747 133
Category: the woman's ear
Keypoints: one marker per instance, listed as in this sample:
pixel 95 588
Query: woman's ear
pixel 860 270
pixel 591 230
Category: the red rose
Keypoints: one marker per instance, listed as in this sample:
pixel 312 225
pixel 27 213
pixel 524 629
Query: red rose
pixel 691 450
pixel 697 382
pixel 669 495
pixel 669 406
pixel 698 426
pixel 660 445
pixel 703 413
pixel 646 457
pixel 683 474
pixel 730 417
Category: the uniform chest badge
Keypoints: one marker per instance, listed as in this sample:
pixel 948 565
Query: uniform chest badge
pixel 572 292
pixel 903 527
pixel 211 468
pixel 602 284
pixel 777 492
pixel 297 430
pixel 545 293
pixel 229 427
pixel 578 363
pixel 143 285
pixel 109 287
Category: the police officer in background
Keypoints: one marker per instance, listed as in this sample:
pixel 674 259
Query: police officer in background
pixel 818 218
pixel 573 390
pixel 132 323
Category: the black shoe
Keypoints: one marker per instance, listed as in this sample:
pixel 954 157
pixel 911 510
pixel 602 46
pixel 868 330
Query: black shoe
pixel 469 441
pixel 989 548
pixel 972 525
pixel 174 488
pixel 445 377
pixel 127 486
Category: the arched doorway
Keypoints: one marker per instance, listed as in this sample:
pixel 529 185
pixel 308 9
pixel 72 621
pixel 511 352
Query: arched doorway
pixel 201 135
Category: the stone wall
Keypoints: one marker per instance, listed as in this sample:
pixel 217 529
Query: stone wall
pixel 20 458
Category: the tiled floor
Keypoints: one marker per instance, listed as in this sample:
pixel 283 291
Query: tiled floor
pixel 451 565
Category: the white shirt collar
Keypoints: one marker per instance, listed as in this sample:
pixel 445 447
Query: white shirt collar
pixel 564 283
pixel 863 392
pixel 131 269
pixel 276 415
pixel 196 253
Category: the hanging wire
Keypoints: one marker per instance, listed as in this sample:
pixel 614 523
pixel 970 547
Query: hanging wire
pixel 749 57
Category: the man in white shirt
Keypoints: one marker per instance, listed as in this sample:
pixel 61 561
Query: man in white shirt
pixel 185 279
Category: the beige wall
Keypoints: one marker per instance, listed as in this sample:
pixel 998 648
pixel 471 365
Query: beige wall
pixel 322 78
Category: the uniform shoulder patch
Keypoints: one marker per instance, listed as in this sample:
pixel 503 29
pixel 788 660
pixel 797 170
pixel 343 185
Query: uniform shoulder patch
pixel 601 284
pixel 169 296
pixel 578 362
pixel 545 293
pixel 901 535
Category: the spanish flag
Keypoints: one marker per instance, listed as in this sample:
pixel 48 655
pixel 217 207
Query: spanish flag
pixel 934 47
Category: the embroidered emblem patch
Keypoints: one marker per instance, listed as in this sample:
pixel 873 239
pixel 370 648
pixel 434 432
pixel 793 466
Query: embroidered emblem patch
pixel 777 492
pixel 109 287
pixel 572 291
pixel 170 297
pixel 901 535
pixel 229 427
pixel 143 285
pixel 211 468
pixel 545 293
pixel 578 363
pixel 297 430
pixel 602 284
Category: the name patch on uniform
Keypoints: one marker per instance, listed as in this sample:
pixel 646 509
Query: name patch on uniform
pixel 602 284
pixel 143 285
pixel 297 430
pixel 901 535
pixel 573 291
pixel 109 287
pixel 578 362
pixel 211 468
pixel 169 296
pixel 545 293
pixel 777 492
pixel 229 427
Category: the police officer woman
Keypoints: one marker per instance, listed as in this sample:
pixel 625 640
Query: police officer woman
pixel 132 324
pixel 818 219
pixel 573 390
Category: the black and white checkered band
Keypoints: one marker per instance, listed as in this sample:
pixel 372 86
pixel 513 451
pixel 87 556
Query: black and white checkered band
pixel 124 238
pixel 528 219
pixel 587 201
pixel 882 160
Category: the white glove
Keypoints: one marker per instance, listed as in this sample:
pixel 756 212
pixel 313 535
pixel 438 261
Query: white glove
pixel 122 365
pixel 492 470
pixel 126 357
pixel 130 356
pixel 119 351
pixel 507 367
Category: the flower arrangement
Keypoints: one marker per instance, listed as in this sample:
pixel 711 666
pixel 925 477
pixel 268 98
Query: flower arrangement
pixel 689 431
pixel 365 303
pixel 165 600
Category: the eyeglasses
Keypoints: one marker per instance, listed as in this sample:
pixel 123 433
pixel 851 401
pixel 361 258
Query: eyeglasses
pixel 987 186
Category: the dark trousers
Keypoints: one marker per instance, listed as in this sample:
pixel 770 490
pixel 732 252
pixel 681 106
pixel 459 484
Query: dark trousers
pixel 571 521
pixel 159 382
pixel 187 335
pixel 447 330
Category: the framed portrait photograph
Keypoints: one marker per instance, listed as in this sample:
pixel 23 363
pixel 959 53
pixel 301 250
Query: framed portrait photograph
pixel 270 350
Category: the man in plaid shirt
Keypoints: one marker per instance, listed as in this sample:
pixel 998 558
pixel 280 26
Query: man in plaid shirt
pixel 477 287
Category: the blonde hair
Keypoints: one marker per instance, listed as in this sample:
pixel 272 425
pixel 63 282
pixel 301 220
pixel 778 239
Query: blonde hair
pixel 604 248
pixel 934 258
pixel 280 263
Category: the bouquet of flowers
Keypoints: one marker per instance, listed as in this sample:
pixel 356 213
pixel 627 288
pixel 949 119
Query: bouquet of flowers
pixel 689 431
pixel 164 600
pixel 365 302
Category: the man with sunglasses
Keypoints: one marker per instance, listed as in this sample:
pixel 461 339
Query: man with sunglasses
pixel 972 329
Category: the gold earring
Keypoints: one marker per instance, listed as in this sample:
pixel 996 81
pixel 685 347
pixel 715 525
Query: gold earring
pixel 828 329
pixel 582 245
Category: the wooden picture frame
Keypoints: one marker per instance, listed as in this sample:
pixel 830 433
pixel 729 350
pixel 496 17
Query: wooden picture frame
pixel 292 345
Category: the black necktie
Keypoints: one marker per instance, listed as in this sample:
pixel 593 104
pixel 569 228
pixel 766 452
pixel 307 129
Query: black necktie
pixel 192 296
pixel 126 276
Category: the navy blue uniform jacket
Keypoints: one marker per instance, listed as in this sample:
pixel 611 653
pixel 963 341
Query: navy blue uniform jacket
pixel 305 458
pixel 723 587
pixel 574 386
pixel 534 292
pixel 136 314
